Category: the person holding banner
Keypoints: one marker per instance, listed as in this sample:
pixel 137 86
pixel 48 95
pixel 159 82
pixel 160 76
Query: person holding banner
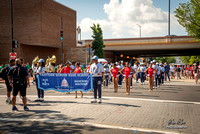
pixel 97 72
pixel 40 69
pixel 127 72
pixel 114 72
pixel 78 70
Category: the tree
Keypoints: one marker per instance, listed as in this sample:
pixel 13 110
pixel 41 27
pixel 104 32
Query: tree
pixel 165 59
pixel 190 59
pixel 97 44
pixel 188 15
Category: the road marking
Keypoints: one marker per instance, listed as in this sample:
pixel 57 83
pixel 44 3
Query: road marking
pixel 123 98
pixel 90 124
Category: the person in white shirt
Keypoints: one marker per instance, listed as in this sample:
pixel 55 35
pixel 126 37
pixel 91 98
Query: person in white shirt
pixel 136 70
pixel 120 66
pixel 172 70
pixel 155 67
pixel 106 75
pixel 97 72
pixel 162 73
pixel 142 69
pixel 40 69
pixel 158 80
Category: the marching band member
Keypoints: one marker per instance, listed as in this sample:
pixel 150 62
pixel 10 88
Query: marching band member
pixel 97 72
pixel 115 75
pixel 78 70
pixel 151 71
pixel 127 72
pixel 40 69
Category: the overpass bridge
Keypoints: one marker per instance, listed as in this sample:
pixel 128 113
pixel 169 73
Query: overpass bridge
pixel 148 47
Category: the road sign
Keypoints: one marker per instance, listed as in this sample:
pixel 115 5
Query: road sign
pixel 13 55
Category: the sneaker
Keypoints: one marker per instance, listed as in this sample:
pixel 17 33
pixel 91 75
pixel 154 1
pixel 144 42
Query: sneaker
pixel 100 100
pixel 9 101
pixel 14 109
pixel 37 100
pixel 94 101
pixel 26 108
pixel 156 87
pixel 153 87
pixel 42 99
pixel 131 87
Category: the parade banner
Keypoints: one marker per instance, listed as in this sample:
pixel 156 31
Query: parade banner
pixel 65 82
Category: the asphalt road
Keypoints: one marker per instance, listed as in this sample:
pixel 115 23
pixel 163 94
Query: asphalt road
pixel 176 90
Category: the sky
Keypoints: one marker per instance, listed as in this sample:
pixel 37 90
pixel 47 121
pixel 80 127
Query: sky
pixel 119 18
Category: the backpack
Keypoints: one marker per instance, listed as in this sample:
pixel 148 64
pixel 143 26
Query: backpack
pixel 4 73
pixel 17 76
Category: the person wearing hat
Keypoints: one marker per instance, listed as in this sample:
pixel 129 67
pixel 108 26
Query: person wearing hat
pixel 155 67
pixel 39 70
pixel 142 69
pixel 4 76
pixel 162 69
pixel 97 72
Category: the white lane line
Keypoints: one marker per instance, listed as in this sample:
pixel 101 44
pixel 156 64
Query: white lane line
pixel 123 98
pixel 90 124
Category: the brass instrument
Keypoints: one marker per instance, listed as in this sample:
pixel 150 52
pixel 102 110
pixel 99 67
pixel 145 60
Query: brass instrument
pixel 48 66
pixel 35 60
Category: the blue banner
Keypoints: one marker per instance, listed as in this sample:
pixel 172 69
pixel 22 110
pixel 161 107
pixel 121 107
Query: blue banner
pixel 65 82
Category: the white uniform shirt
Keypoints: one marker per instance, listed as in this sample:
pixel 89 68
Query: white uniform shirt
pixel 142 68
pixel 135 68
pixel 96 68
pixel 171 69
pixel 41 69
pixel 106 70
pixel 155 67
pixel 159 69
pixel 162 69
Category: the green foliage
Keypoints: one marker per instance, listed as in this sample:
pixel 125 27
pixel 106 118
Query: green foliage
pixel 190 59
pixel 188 15
pixel 165 59
pixel 97 44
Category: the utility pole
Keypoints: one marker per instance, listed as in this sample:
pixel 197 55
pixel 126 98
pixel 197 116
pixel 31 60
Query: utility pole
pixel 89 52
pixel 169 20
pixel 61 38
pixel 11 8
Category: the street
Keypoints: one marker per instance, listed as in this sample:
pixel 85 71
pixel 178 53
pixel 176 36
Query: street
pixel 142 112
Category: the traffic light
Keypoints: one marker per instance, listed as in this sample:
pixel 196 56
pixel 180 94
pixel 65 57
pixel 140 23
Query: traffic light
pixel 14 44
pixel 61 35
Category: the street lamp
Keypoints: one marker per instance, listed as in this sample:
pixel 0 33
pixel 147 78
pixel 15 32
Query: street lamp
pixel 140 30
pixel 79 32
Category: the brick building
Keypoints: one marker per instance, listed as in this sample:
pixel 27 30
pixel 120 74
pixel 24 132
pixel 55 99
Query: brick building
pixel 36 25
